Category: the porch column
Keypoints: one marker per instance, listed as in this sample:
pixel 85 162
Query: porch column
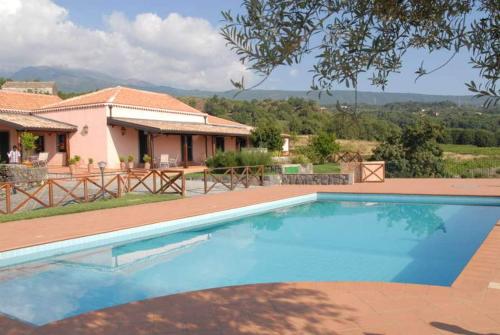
pixel 150 145
pixel 185 150
pixel 68 152
pixel 206 146
pixel 213 144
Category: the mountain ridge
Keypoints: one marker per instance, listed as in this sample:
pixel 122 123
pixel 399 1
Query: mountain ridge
pixel 82 80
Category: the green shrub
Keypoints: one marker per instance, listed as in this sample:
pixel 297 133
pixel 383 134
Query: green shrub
pixel 28 143
pixel 77 158
pixel 146 158
pixel 324 145
pixel 242 158
pixel 267 136
pixel 222 159
pixel 320 148
pixel 300 159
pixel 130 158
pixel 122 159
pixel 91 161
pixel 254 157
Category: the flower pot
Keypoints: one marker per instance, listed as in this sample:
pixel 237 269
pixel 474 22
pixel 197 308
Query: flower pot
pixel 90 167
pixel 147 165
pixel 123 166
pixel 72 168
pixel 130 165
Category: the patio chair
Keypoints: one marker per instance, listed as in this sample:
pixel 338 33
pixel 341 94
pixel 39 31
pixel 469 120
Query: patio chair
pixel 164 161
pixel 173 161
pixel 41 160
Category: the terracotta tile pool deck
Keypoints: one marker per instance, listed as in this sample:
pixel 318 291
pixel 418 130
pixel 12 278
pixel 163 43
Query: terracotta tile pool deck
pixel 470 306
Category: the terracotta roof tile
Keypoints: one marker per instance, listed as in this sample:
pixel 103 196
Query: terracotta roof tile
pixel 10 100
pixel 179 127
pixel 223 122
pixel 23 121
pixel 29 84
pixel 127 96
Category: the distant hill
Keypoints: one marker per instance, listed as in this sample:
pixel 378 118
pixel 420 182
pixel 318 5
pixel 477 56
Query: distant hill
pixel 80 80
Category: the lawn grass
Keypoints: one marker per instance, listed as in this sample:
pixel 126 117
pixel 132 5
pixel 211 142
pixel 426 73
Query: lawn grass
pixel 470 149
pixel 127 200
pixel 326 168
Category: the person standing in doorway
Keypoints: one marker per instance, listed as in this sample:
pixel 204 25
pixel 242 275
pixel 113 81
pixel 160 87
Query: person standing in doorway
pixel 14 155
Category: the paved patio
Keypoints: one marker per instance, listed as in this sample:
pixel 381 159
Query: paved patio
pixel 470 306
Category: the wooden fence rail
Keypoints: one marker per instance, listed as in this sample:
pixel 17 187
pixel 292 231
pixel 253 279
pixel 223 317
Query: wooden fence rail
pixel 56 192
pixel 231 177
pixel 347 157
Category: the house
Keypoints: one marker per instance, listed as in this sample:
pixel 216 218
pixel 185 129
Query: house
pixel 119 121
pixel 39 87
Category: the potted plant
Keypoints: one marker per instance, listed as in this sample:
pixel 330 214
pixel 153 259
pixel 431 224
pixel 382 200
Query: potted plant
pixel 147 161
pixel 90 165
pixel 77 160
pixel 28 144
pixel 72 165
pixel 123 166
pixel 130 160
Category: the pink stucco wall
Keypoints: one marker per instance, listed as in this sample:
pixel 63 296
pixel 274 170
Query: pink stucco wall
pixel 167 144
pixel 12 135
pixel 229 143
pixel 92 144
pixel 50 139
pixel 121 144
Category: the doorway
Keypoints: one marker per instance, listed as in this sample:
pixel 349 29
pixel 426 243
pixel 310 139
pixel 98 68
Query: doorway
pixel 187 139
pixel 143 145
pixel 4 146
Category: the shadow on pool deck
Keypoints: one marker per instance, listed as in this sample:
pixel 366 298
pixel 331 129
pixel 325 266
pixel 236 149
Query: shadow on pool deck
pixel 271 309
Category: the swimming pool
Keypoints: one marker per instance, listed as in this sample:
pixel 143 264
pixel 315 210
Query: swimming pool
pixel 341 237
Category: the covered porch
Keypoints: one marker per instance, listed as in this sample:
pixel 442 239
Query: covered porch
pixel 186 144
pixel 53 136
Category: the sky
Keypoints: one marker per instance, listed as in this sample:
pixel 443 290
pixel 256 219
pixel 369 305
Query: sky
pixel 171 42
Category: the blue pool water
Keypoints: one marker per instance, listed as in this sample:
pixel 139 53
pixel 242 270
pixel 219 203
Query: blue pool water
pixel 319 241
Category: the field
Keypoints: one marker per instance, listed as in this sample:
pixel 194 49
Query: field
pixel 460 160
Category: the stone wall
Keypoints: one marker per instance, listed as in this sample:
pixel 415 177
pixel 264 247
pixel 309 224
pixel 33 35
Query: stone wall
pixel 19 173
pixel 318 179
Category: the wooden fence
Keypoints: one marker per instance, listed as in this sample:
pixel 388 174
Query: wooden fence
pixel 347 157
pixel 231 177
pixel 61 191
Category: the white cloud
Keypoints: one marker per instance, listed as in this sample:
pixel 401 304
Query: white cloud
pixel 293 72
pixel 175 50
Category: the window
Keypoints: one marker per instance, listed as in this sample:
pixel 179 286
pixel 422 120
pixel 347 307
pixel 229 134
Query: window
pixel 40 144
pixel 219 143
pixel 61 143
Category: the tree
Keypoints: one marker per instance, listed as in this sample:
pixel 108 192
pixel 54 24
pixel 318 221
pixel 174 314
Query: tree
pixel 349 37
pixel 267 136
pixel 414 153
pixel 323 146
pixel 28 143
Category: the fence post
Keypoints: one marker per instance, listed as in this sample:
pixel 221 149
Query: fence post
pixel 9 188
pixel 128 181
pixel 205 181
pixel 85 190
pixel 261 177
pixel 51 193
pixel 154 181
pixel 232 173
pixel 247 170
pixel 119 186
pixel 183 183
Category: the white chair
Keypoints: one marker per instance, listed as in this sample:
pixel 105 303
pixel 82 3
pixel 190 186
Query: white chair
pixel 173 161
pixel 164 161
pixel 42 159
